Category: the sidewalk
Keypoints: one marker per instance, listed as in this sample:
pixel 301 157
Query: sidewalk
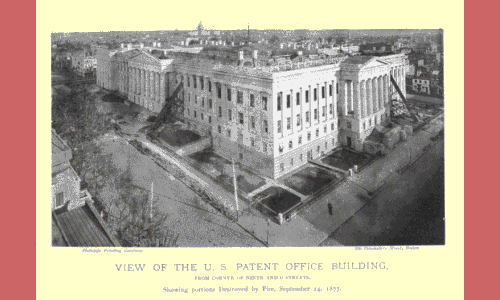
pixel 255 223
pixel 385 170
pixel 352 194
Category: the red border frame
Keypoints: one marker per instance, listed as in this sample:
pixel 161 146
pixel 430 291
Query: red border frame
pixel 479 253
pixel 19 136
pixel 480 276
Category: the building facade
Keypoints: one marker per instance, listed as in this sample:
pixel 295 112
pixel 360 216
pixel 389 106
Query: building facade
pixel 422 85
pixel 65 181
pixel 273 118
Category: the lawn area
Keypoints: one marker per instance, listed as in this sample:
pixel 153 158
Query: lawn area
pixel 310 179
pixel 112 97
pixel 221 170
pixel 345 159
pixel 178 137
pixel 275 200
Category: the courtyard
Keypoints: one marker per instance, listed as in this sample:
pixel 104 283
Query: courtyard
pixel 346 159
pixel 221 170
pixel 311 179
pixel 177 137
pixel 275 200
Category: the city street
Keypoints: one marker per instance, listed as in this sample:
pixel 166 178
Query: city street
pixel 409 212
pixel 197 223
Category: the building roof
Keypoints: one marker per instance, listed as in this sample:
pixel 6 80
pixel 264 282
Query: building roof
pixel 358 60
pixel 421 78
pixel 81 227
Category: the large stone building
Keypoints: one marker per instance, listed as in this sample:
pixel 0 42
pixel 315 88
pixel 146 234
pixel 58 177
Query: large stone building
pixel 268 112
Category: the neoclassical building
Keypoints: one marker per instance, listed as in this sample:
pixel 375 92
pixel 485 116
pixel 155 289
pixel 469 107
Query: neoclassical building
pixel 269 113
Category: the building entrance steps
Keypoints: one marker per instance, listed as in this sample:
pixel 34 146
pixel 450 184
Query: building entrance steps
pixel 384 170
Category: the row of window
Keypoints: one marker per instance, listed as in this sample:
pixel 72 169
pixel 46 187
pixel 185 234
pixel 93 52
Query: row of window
pixel 309 155
pixel 202 116
pixel 309 138
pixel 202 102
pixel 239 94
pixel 240 138
pixel 308 119
pixel 306 96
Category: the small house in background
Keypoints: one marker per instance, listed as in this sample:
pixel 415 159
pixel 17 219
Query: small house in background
pixel 422 85
pixel 65 182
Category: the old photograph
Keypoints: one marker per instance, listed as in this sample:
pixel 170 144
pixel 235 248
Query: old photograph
pixel 248 138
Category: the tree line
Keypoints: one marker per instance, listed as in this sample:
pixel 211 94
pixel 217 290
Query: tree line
pixel 127 209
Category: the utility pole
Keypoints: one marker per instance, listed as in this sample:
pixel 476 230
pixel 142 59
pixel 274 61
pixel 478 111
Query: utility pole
pixel 151 202
pixel 268 232
pixel 235 190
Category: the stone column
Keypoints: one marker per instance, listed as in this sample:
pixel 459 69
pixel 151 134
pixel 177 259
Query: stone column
pixel 131 85
pixel 138 80
pixel 148 85
pixel 386 87
pixel 391 88
pixel 334 99
pixel 158 87
pixel 345 105
pixel 357 100
pixel 143 83
pixel 162 88
pixel 152 93
pixel 302 118
pixel 143 87
pixel 311 97
pixel 369 97
pixel 351 95
pixel 362 96
pixel 292 116
pixel 375 95
pixel 381 93
pixel 403 80
pixel 318 102
pixel 133 81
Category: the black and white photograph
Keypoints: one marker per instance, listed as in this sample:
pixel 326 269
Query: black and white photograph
pixel 243 137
